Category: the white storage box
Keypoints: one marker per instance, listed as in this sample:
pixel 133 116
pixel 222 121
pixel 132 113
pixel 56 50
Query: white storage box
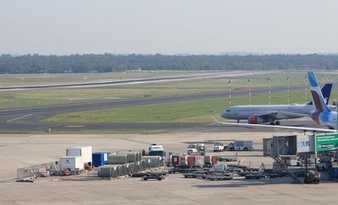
pixel 85 152
pixel 72 163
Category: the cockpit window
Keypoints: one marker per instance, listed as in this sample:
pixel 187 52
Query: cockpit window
pixel 227 111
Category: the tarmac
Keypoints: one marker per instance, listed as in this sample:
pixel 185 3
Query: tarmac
pixel 25 150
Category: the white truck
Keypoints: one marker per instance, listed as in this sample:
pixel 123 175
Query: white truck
pixel 196 148
pixel 240 145
pixel 218 147
pixel 156 150
pixel 192 151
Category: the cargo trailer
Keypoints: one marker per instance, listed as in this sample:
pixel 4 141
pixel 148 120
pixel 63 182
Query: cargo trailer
pixel 72 163
pixel 85 152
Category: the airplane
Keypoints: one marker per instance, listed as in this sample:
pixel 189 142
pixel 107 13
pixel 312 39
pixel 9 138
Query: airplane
pixel 322 114
pixel 272 114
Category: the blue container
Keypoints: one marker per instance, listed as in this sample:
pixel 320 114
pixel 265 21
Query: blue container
pixel 333 173
pixel 100 159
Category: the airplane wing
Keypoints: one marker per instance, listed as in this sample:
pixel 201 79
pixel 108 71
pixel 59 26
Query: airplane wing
pixel 313 129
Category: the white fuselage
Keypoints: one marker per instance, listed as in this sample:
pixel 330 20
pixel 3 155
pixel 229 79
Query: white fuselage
pixel 243 112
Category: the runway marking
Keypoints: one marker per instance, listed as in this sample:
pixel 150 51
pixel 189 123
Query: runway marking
pixel 75 126
pixel 19 118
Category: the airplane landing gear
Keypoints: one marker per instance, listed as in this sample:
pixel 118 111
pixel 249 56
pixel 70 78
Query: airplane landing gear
pixel 275 123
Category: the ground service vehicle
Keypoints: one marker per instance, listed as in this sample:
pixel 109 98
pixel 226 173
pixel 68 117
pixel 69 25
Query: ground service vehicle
pixel 154 175
pixel 196 174
pixel 192 151
pixel 201 148
pixel 240 145
pixel 218 147
pixel 156 150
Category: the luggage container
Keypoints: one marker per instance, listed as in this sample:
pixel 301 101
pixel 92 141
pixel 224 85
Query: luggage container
pixel 85 152
pixel 117 158
pixel 131 168
pixel 284 145
pixel 133 156
pixel 118 170
pixel 109 171
pixel 333 172
pixel 113 171
pixel 105 171
pixel 267 146
pixel 100 159
pixel 139 166
pixel 143 164
pixel 71 163
pixel 124 170
pixel 135 167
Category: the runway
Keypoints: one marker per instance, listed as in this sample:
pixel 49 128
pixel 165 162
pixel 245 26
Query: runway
pixel 44 111
pixel 18 120
pixel 139 81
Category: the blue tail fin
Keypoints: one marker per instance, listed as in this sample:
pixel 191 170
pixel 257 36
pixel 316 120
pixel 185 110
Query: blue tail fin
pixel 317 96
pixel 326 91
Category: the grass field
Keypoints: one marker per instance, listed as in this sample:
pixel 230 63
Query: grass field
pixel 187 111
pixel 64 96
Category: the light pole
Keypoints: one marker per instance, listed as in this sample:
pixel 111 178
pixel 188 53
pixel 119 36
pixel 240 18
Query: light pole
pixel 225 93
pixel 289 96
pixel 305 88
pixel 229 87
pixel 250 95
pixel 337 114
pixel 269 85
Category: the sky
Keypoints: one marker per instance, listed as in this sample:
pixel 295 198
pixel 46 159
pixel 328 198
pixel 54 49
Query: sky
pixel 168 27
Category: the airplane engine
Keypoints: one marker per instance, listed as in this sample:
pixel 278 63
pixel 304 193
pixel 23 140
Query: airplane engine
pixel 254 119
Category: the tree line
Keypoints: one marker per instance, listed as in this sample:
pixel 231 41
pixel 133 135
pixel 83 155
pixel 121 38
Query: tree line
pixel 109 62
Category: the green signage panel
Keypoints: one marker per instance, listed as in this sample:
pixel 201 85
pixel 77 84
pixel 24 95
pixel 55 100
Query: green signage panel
pixel 326 142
